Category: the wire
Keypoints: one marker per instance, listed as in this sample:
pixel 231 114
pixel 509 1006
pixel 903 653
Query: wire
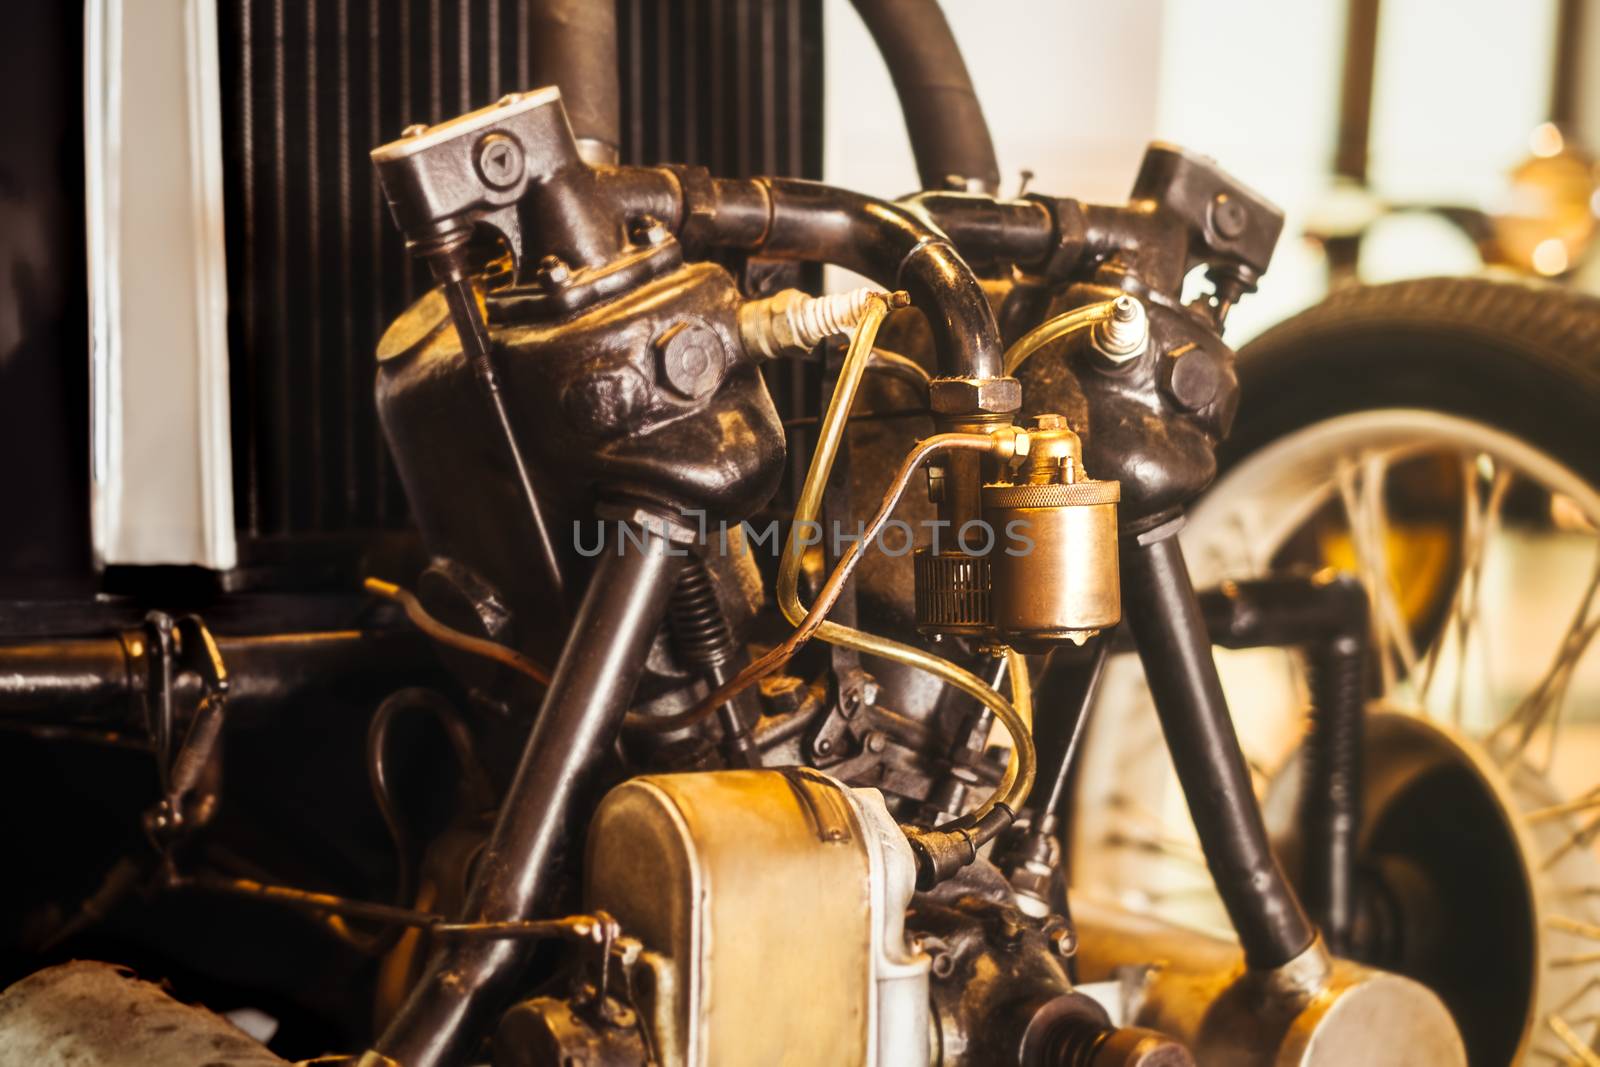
pixel 1055 329
pixel 451 638
pixel 476 792
pixel 1018 779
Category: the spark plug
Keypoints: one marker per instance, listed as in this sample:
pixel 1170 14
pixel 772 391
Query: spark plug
pixel 792 323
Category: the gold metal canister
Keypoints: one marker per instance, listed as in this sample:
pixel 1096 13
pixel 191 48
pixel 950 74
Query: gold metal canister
pixel 1053 570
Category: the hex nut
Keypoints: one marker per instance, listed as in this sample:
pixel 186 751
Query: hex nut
pixel 974 396
pixel 691 358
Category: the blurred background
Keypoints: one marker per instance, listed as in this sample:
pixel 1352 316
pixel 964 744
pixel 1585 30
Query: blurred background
pixel 1459 94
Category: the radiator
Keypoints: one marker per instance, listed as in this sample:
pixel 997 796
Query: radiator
pixel 316 270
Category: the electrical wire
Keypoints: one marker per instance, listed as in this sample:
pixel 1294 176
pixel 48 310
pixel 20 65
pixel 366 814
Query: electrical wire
pixel 452 638
pixel 1018 779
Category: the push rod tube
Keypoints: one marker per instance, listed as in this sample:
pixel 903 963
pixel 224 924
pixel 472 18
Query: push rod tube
pixel 949 136
pixel 1160 606
pixel 574 46
pixel 466 982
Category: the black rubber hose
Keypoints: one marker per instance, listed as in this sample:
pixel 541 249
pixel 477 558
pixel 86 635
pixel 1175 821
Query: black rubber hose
pixel 574 46
pixel 949 136
pixel 1163 612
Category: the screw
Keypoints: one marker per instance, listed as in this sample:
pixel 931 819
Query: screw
pixel 1050 422
pixel 824 746
pixel 500 160
pixel 508 99
pixel 876 742
pixel 553 273
pixel 416 129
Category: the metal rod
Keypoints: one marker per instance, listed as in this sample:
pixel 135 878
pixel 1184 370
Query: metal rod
pixel 1160 606
pixel 1058 733
pixel 1328 615
pixel 449 266
pixel 465 982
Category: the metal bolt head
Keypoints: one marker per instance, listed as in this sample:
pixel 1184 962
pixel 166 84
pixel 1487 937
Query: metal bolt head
pixel 876 742
pixel 553 273
pixel 500 161
pixel 416 129
pixel 1193 377
pixel 781 693
pixel 1051 422
pixel 1228 217
pixel 692 358
pixel 508 99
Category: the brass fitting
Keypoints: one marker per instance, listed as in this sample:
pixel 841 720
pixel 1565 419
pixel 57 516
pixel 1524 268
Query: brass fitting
pixel 1054 575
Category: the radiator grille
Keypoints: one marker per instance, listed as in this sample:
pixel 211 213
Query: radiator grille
pixel 316 270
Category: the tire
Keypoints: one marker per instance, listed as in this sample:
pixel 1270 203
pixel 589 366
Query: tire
pixel 1524 358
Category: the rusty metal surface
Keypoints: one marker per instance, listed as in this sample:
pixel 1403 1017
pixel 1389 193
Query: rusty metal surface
pixel 92 1014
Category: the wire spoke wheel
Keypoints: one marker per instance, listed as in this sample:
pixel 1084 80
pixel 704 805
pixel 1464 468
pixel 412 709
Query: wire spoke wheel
pixel 1480 839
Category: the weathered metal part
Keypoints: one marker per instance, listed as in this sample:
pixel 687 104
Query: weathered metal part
pixel 1000 988
pixel 1313 1011
pixel 1468 868
pixel 515 878
pixel 712 870
pixel 1175 649
pixel 88 1014
pixel 1327 614
pixel 545 1031
pixel 1053 563
pixel 98 680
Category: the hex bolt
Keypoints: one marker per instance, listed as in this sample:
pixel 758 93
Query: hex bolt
pixel 1192 377
pixel 1125 334
pixel 691 358
pixel 553 273
pixel 500 161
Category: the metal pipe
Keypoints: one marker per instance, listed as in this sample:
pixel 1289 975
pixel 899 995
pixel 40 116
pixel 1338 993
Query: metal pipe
pixel 466 982
pixel 1160 606
pixel 1327 614
pixel 949 136
pixel 573 45
pixel 786 218
pixel 890 245
pixel 93 679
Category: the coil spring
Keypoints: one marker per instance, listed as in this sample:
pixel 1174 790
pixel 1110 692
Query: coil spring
pixel 699 629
